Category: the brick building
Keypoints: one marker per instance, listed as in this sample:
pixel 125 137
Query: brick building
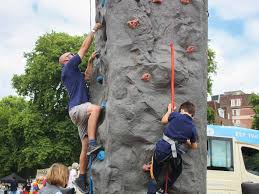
pixel 233 108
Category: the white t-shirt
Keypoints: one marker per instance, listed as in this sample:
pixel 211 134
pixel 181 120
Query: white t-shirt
pixel 72 177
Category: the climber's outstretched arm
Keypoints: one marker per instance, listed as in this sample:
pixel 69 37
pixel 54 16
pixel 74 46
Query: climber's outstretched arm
pixel 88 41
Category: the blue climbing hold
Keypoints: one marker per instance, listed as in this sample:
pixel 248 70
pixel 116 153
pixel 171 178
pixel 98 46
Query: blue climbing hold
pixel 101 155
pixel 103 3
pixel 99 79
pixel 103 104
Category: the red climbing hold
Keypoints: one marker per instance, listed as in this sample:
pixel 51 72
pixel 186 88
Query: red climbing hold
pixel 146 167
pixel 185 2
pixel 191 49
pixel 133 23
pixel 146 77
pixel 157 1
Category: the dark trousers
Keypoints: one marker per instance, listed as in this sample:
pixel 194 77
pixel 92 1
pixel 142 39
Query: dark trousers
pixel 165 165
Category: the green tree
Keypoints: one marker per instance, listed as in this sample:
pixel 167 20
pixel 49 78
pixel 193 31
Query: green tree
pixel 212 69
pixel 18 123
pixel 254 101
pixel 210 115
pixel 49 135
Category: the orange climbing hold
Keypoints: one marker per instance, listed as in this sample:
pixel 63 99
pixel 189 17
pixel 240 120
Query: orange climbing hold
pixel 133 23
pixel 146 77
pixel 185 2
pixel 191 49
pixel 157 1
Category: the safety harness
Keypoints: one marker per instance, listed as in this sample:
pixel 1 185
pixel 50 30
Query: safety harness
pixel 172 143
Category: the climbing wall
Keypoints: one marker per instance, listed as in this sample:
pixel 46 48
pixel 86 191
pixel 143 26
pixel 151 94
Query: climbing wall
pixel 133 75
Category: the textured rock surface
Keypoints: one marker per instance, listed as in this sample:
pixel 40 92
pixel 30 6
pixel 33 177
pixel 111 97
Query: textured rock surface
pixel 135 105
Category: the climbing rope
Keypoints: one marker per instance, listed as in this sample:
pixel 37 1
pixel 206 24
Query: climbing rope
pixel 90 175
pixel 172 76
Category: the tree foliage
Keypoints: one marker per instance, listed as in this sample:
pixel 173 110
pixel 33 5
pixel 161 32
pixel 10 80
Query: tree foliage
pixel 37 132
pixel 254 101
pixel 212 68
pixel 210 115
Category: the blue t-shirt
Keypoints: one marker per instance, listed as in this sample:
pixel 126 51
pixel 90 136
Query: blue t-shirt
pixel 180 127
pixel 74 82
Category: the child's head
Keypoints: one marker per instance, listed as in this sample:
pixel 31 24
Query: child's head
pixel 187 107
pixel 58 175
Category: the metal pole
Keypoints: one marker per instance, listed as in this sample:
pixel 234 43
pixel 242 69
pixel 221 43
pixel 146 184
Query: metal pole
pixel 90 14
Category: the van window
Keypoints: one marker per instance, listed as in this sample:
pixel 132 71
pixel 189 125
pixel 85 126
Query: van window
pixel 251 160
pixel 220 154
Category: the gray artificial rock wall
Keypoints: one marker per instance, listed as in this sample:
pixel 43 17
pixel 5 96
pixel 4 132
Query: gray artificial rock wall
pixel 131 124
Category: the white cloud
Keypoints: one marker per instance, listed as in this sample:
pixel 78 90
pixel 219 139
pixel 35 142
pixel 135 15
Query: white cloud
pixel 238 9
pixel 237 63
pixel 225 43
pixel 251 30
pixel 24 21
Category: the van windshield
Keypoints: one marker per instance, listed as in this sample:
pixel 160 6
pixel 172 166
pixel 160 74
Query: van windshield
pixel 251 160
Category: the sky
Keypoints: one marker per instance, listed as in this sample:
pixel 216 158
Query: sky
pixel 233 33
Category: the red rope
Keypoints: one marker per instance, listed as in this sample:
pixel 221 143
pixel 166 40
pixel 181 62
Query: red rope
pixel 166 183
pixel 172 76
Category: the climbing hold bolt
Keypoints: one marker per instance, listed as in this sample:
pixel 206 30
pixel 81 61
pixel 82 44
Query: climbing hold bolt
pixel 146 77
pixel 191 49
pixel 133 23
pixel 99 79
pixel 185 2
pixel 157 1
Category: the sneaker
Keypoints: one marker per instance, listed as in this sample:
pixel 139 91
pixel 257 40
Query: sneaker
pixel 81 186
pixel 93 148
pixel 160 191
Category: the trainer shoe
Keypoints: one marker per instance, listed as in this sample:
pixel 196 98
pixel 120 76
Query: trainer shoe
pixel 93 148
pixel 81 186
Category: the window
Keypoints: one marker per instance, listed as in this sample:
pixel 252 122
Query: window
pixel 228 116
pixel 238 102
pixel 221 112
pixel 251 160
pixel 236 112
pixel 220 154
pixel 232 102
pixel 237 123
pixel 235 102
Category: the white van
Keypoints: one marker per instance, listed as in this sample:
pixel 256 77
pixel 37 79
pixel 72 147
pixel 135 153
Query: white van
pixel 232 159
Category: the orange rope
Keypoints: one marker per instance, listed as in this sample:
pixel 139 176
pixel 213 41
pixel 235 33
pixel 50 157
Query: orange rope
pixel 172 76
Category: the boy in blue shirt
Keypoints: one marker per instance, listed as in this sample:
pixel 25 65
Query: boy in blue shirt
pixel 179 135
